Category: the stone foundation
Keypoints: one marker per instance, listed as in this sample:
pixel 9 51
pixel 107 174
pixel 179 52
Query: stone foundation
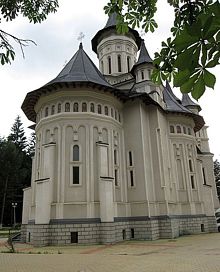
pixel 91 231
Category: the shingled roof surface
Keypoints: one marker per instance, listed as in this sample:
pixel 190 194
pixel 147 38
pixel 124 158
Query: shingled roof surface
pixel 111 24
pixel 80 69
pixel 187 101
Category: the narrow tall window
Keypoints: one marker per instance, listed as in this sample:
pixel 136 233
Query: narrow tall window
pixel 76 153
pixel 190 166
pixel 52 110
pixel 178 129
pixel 109 65
pixel 189 131
pixel 112 112
pixel 84 107
pixel 116 115
pixel 116 167
pixel 192 182
pixel 92 107
pixel 99 109
pixel 67 107
pixel 130 158
pixel 184 130
pixel 106 110
pixel 119 63
pixel 75 174
pixel 116 177
pixel 131 178
pixel 171 129
pixel 142 75
pixel 46 112
pixel 204 176
pixel 75 107
pixel 59 108
pixel 129 63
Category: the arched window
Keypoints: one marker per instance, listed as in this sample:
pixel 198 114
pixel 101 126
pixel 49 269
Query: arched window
pixel 92 107
pixel 52 109
pixel 84 107
pixel 178 129
pixel 142 74
pixel 46 112
pixel 106 110
pixel 59 108
pixel 67 107
pixel 75 107
pixel 171 129
pixel 75 153
pixel 129 63
pixel 119 63
pixel 109 65
pixel 99 109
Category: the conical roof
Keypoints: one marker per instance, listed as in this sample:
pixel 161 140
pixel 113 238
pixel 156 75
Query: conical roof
pixel 187 102
pixel 80 69
pixel 143 58
pixel 111 24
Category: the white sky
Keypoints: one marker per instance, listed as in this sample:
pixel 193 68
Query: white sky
pixel 56 40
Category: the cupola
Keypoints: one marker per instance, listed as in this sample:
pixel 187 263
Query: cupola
pixel 116 52
pixel 143 67
pixel 189 104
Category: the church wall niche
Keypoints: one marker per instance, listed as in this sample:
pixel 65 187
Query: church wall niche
pixel 136 189
pixel 75 191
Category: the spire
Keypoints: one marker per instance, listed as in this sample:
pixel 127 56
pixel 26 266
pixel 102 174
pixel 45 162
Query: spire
pixel 171 92
pixel 112 20
pixel 189 103
pixel 80 69
pixel 111 24
pixel 144 56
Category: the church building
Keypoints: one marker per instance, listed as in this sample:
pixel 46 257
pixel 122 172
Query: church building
pixel 117 157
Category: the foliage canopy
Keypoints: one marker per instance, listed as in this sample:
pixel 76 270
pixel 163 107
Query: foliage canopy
pixel 193 48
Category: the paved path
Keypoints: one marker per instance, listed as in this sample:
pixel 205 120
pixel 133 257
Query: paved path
pixel 198 253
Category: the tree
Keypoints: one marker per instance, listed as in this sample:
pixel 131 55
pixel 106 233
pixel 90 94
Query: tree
pixel 35 11
pixel 31 145
pixel 217 176
pixel 17 135
pixel 192 50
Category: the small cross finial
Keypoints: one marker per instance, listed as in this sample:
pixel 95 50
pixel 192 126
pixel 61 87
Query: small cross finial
pixel 81 36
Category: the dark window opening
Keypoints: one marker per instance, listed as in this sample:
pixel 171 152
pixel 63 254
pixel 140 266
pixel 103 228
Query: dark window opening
pixel 123 234
pixel 132 178
pixel 67 107
pixel 192 182
pixel 189 131
pixel 116 177
pixel 119 63
pixel 204 177
pixel 52 110
pixel 74 237
pixel 132 233
pixel 190 166
pixel 46 112
pixel 75 174
pixel 171 129
pixel 142 74
pixel 109 65
pixel 84 107
pixel 202 228
pixel 99 109
pixel 75 107
pixel 130 159
pixel 178 129
pixel 92 107
pixel 29 236
pixel 106 110
pixel 59 108
pixel 128 63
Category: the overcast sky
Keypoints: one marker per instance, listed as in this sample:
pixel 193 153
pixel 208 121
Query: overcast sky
pixel 56 40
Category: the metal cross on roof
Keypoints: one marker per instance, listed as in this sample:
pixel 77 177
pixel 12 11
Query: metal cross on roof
pixel 81 36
